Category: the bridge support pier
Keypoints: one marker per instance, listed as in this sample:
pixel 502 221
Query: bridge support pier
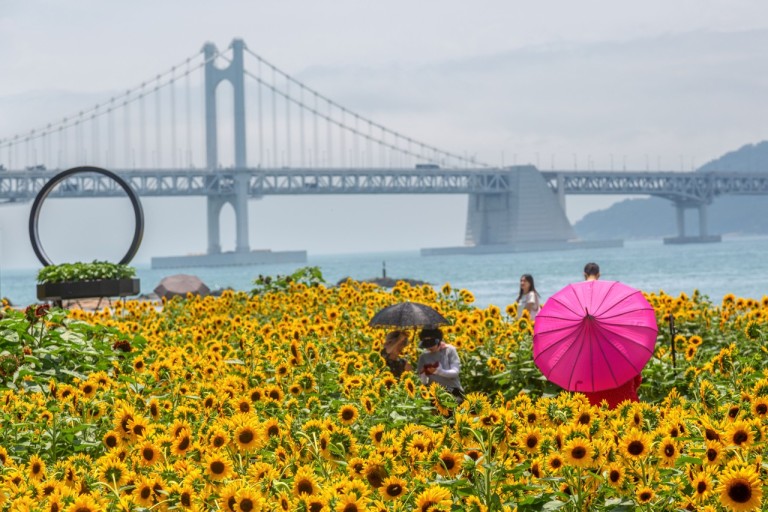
pixel 682 237
pixel 531 214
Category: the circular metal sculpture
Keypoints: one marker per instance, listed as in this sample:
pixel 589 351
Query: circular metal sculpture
pixel 34 215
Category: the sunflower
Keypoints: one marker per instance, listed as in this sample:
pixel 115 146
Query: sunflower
pixel 349 502
pixel 433 499
pixel 246 437
pixel 760 407
pixel 149 454
pixel 636 444
pixel 668 452
pixel 304 482
pixel 143 493
pixel 313 503
pixel 702 486
pixel 393 488
pixel 448 463
pixel 85 503
pixel 270 428
pixel 218 438
pixel 348 414
pixel 375 472
pixel 112 471
pixel 410 388
pixel 247 500
pixel 36 468
pixel 138 427
pixel 740 489
pixel 218 467
pixel 713 453
pixel 614 475
pixel 554 462
pixel 182 443
pixel 88 389
pixel 578 452
pixel 530 439
pixel 740 434
pixel 376 433
pixel 227 500
pixel 644 495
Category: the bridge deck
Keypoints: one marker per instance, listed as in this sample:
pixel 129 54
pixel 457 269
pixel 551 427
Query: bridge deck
pixel 690 186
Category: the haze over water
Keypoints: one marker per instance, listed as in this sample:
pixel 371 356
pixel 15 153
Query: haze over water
pixel 737 265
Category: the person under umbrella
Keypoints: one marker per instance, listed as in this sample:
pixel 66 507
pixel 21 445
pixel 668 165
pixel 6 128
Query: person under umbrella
pixel 595 337
pixel 626 391
pixel 394 344
pixel 439 362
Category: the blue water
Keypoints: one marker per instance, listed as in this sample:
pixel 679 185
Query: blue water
pixel 737 265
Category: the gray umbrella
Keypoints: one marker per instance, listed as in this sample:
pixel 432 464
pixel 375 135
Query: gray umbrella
pixel 408 314
pixel 181 285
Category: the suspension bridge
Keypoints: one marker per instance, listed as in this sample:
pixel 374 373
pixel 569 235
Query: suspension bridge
pixel 164 137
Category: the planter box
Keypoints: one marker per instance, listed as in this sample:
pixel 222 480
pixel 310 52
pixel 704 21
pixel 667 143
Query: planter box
pixel 84 289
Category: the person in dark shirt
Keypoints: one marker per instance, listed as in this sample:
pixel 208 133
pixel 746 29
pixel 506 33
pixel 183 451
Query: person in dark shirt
pixel 628 390
pixel 394 344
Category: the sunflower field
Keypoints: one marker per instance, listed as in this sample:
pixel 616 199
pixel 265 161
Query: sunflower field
pixel 279 400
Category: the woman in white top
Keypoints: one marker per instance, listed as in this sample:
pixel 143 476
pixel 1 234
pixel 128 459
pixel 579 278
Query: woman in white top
pixel 529 298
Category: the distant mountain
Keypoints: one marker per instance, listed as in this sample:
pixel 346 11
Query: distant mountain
pixel 655 217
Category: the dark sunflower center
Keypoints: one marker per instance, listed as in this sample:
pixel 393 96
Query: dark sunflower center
pixel 531 442
pixel 701 487
pixel 645 496
pixel 146 492
pixel 614 476
pixel 273 431
pixel 740 491
pixel 584 419
pixel 740 437
pixel 428 506
pixel 711 454
pixel 186 499
pixel 348 414
pixel 669 450
pixel 449 463
pixel 148 453
pixel 217 467
pixel 761 409
pixel 579 452
pixel 246 505
pixel 304 487
pixel 394 489
pixel 636 448
pixel 245 436
pixel 184 444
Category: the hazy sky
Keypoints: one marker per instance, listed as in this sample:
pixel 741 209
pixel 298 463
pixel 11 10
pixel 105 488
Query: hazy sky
pixel 653 84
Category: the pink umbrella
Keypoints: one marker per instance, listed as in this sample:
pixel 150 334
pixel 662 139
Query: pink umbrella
pixel 594 335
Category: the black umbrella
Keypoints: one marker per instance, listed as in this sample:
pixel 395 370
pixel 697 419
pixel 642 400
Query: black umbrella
pixel 408 314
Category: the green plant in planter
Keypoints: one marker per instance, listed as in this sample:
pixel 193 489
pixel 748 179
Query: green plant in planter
pixel 95 271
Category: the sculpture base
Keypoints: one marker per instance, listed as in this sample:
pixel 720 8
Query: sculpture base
pixel 226 259
pixel 86 289
pixel 708 239
pixel 532 246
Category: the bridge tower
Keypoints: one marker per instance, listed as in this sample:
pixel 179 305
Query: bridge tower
pixel 214 75
pixel 529 216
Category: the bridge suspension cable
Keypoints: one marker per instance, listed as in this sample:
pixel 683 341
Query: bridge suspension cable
pixel 357 118
pixel 106 109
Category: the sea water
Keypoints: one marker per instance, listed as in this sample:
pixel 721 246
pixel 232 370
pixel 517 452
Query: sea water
pixel 737 265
